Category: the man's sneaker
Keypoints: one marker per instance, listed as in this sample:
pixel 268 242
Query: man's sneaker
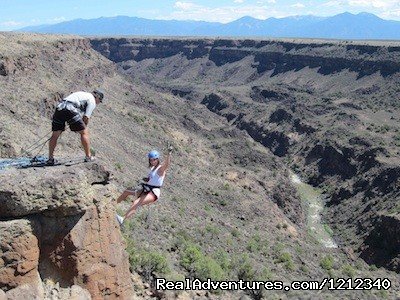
pixel 89 158
pixel 120 219
pixel 50 162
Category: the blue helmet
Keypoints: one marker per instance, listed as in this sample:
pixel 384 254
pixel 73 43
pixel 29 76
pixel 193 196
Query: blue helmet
pixel 153 154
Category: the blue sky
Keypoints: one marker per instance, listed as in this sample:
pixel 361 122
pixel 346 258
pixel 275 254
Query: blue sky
pixel 15 14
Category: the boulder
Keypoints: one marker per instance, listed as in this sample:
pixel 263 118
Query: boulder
pixel 59 191
pixel 32 291
pixel 53 291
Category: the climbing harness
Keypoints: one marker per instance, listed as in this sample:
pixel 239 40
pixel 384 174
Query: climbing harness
pixel 146 188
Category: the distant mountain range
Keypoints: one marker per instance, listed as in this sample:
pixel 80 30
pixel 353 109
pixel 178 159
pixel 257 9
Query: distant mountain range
pixel 341 26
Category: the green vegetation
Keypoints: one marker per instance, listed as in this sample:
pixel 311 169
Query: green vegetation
pixel 235 232
pixel 150 263
pixel 257 245
pixel 138 118
pixel 93 151
pixel 286 258
pixel 223 202
pixel 181 212
pixel 373 268
pixel 198 264
pixel 396 139
pixel 177 200
pixel 207 208
pixel 327 263
pixel 304 269
pixel 278 247
pixel 384 128
pixel 383 294
pixel 154 263
pixel 226 186
pixel 213 230
pixel 245 269
pixel 222 258
pixel 328 229
pixel 348 271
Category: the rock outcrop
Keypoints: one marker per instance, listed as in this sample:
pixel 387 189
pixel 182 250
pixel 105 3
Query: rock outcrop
pixel 382 245
pixel 19 254
pixel 58 225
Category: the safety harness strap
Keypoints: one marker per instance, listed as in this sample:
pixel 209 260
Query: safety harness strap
pixel 146 188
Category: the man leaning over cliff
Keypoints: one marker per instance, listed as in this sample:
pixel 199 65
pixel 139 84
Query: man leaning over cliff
pixel 76 110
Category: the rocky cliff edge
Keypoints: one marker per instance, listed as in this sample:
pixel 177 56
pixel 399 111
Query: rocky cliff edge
pixel 58 229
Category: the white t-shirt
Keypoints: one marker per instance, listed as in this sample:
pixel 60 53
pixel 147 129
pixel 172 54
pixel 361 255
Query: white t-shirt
pixel 154 178
pixel 85 101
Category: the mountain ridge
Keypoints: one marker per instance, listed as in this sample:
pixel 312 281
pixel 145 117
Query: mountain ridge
pixel 341 26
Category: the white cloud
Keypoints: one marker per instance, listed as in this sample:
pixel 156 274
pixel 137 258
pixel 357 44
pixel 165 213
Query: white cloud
pixel 10 24
pixel 225 14
pixel 58 19
pixel 387 9
pixel 334 3
pixel 384 4
pixel 185 5
pixel 298 5
pixel 391 14
pixel 371 3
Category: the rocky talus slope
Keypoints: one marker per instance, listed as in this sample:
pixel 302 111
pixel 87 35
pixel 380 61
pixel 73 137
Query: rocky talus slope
pixel 58 226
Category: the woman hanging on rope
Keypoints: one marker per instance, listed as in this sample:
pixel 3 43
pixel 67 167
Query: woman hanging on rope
pixel 149 191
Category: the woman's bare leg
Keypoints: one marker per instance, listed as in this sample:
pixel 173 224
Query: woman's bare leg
pixel 144 199
pixel 125 195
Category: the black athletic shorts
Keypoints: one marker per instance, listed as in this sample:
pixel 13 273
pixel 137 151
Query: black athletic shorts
pixel 73 119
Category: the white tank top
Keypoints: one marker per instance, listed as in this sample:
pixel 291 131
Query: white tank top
pixel 154 178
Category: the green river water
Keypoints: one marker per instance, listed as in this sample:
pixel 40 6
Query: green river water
pixel 314 203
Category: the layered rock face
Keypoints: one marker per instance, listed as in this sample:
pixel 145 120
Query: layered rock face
pixel 277 55
pixel 58 225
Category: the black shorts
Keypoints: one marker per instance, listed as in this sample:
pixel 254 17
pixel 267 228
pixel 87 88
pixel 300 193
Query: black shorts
pixel 73 119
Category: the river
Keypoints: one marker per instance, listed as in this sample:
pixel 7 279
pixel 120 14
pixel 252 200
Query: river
pixel 314 202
